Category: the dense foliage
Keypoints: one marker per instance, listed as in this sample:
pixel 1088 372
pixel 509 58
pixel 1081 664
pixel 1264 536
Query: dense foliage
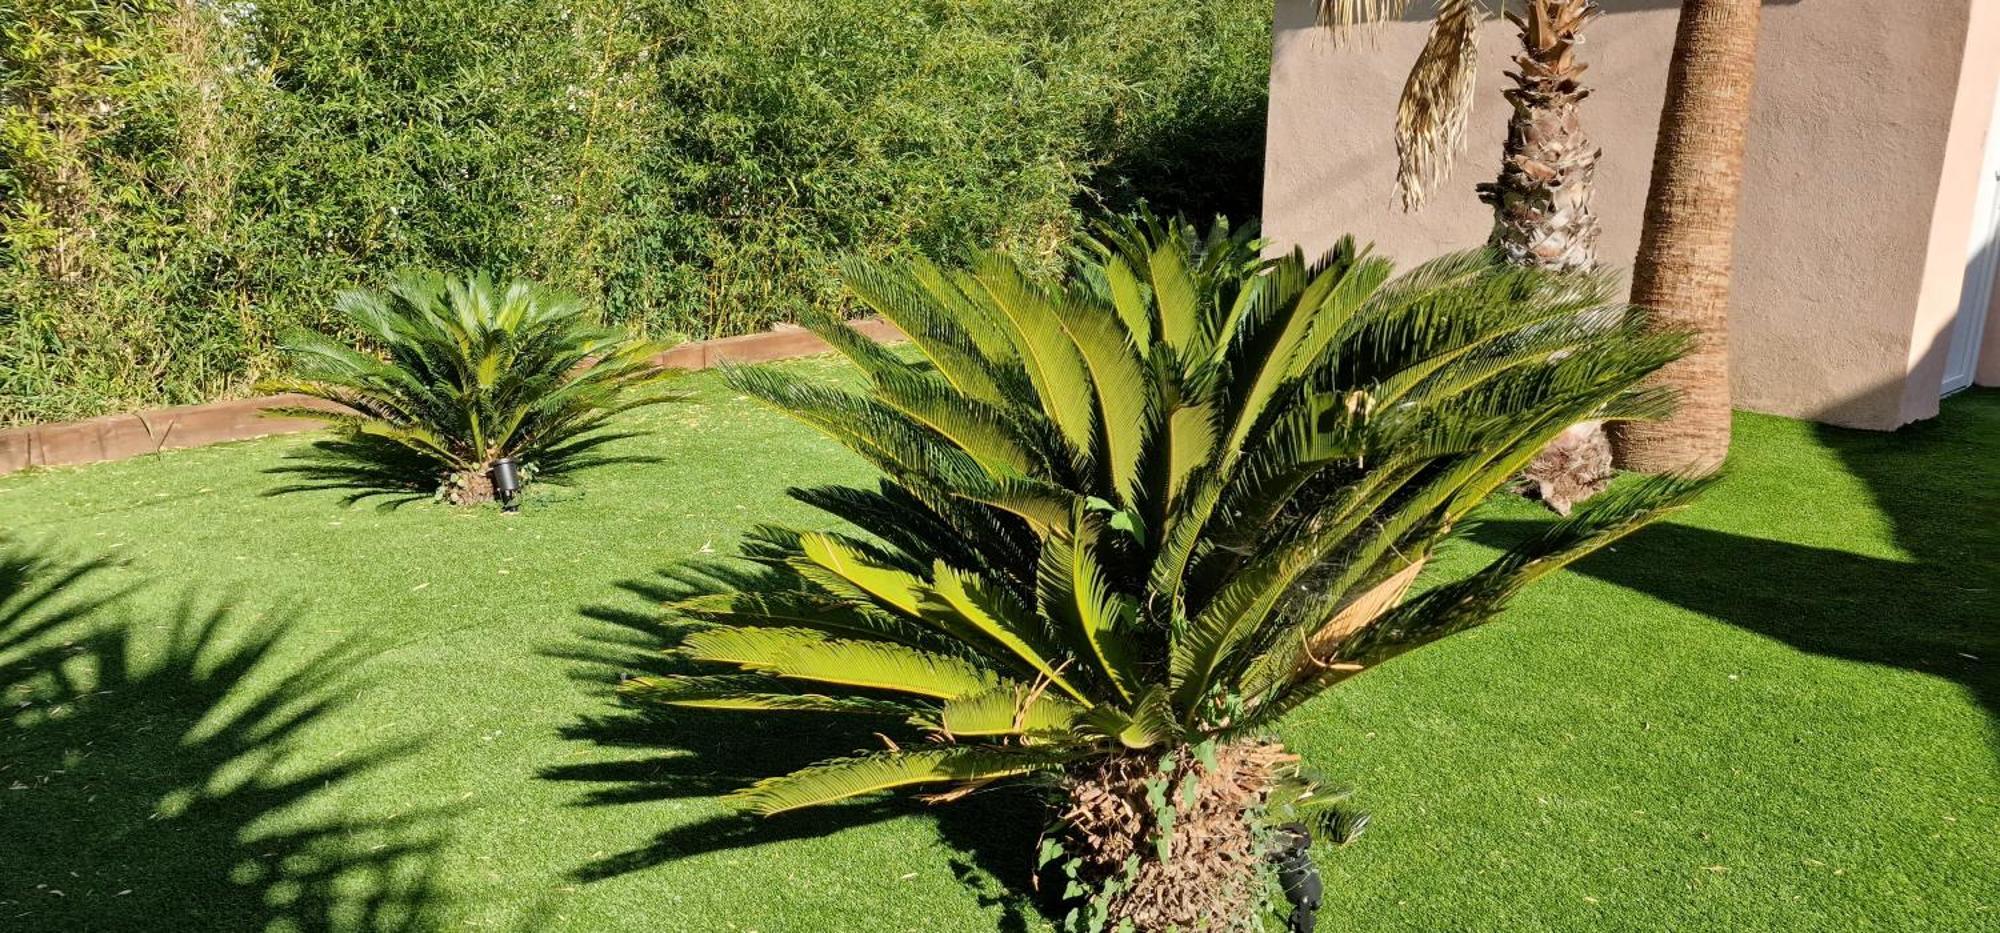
pixel 183 180
pixel 458 374
pixel 1128 521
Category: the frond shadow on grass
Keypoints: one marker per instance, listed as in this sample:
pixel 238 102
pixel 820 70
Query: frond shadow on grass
pixel 154 783
pixel 629 637
pixel 364 468
pixel 369 468
pixel 1819 600
pixel 1938 484
pixel 666 754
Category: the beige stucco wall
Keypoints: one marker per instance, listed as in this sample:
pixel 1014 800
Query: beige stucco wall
pixel 1841 270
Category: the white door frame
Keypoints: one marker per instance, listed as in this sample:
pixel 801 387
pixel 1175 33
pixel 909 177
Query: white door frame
pixel 1982 268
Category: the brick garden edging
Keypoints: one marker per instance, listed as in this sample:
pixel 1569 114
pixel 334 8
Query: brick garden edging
pixel 117 437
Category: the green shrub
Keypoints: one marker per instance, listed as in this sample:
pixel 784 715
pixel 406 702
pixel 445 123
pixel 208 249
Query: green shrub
pixel 1128 522
pixel 469 372
pixel 184 180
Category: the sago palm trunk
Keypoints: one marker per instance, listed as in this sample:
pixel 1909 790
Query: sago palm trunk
pixel 1685 250
pixel 1541 204
pixel 469 487
pixel 1213 865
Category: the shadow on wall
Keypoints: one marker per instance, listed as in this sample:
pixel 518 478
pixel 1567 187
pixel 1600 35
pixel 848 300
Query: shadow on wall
pixel 709 753
pixel 152 785
pixel 1908 403
pixel 1937 483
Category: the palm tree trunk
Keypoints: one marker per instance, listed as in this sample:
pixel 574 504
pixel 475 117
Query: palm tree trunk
pixel 1685 251
pixel 1541 202
pixel 1541 208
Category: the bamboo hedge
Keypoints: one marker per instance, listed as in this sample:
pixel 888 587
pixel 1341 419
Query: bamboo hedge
pixel 182 181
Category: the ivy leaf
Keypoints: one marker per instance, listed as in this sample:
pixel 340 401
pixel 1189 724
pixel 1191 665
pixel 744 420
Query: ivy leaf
pixel 1052 849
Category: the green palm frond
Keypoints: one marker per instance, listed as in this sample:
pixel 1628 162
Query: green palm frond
pixel 1167 498
pixel 1074 593
pixel 800 608
pixel 462 372
pixel 805 654
pixel 1032 320
pixel 1479 597
pixel 993 613
pixel 752 692
pixel 1011 711
pixel 846 778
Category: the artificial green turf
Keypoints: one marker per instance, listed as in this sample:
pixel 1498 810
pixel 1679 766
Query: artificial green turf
pixel 1776 713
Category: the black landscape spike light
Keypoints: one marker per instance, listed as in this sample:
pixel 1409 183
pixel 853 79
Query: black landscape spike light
pixel 1298 876
pixel 506 478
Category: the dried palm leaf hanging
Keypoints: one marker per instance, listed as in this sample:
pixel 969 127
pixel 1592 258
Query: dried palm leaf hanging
pixel 1437 99
pixel 1341 15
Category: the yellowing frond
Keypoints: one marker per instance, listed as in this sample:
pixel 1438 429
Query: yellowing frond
pixel 808 655
pixel 1010 711
pixel 892 587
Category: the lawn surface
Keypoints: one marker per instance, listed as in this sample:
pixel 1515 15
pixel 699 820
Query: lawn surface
pixel 1776 713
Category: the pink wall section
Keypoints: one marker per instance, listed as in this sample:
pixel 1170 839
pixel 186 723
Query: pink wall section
pixel 1856 171
pixel 1953 215
pixel 1986 42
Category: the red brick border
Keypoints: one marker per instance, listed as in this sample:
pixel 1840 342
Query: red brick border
pixel 117 437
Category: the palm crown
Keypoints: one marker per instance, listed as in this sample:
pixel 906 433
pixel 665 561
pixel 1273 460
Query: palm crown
pixel 1163 501
pixel 469 371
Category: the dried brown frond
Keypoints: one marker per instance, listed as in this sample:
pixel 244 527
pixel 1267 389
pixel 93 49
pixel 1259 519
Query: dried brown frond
pixel 1437 100
pixel 1344 15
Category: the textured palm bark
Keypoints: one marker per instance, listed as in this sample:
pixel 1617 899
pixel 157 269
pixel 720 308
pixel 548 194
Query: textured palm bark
pixel 1688 242
pixel 1572 468
pixel 1541 201
pixel 1542 213
pixel 1216 865
pixel 469 487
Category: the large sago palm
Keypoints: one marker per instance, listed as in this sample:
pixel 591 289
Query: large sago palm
pixel 1128 520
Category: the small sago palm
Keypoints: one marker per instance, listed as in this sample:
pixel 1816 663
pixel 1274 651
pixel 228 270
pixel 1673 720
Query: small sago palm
pixel 1128 521
pixel 462 372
